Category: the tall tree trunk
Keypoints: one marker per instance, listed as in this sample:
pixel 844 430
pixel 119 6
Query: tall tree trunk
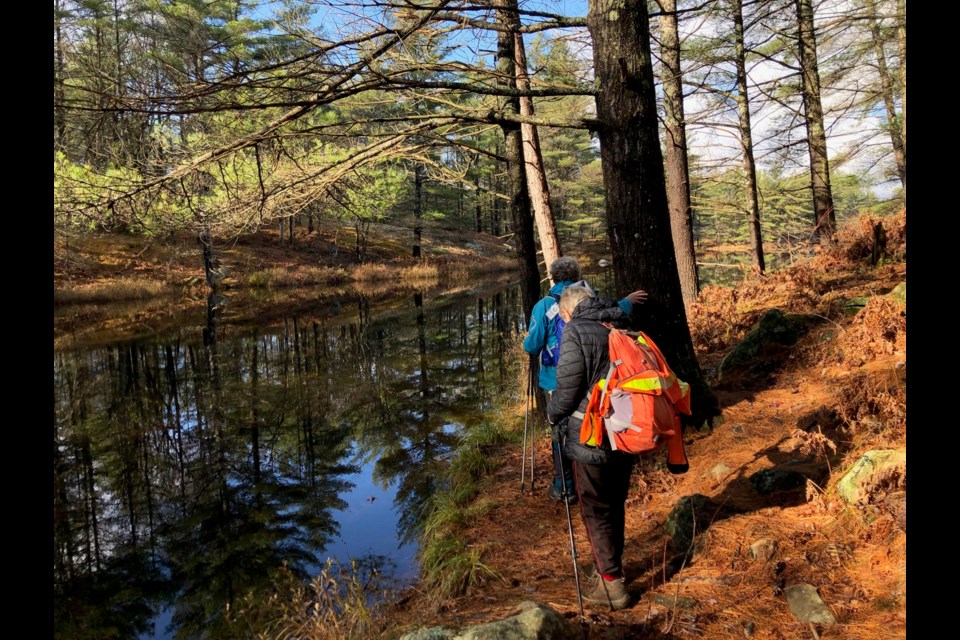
pixel 886 91
pixel 825 219
pixel 210 261
pixel 513 150
pixel 678 170
pixel 638 218
pixel 417 208
pixel 746 138
pixel 903 90
pixel 60 123
pixel 476 182
pixel 533 163
pixel 118 85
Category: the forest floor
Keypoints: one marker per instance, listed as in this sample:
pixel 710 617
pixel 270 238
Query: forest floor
pixel 815 407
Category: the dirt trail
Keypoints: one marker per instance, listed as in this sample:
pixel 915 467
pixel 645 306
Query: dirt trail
pixel 834 383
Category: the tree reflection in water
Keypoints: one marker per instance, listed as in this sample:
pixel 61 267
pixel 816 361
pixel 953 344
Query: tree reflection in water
pixel 188 469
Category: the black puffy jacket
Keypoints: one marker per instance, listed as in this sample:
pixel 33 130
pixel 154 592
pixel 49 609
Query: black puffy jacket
pixel 584 361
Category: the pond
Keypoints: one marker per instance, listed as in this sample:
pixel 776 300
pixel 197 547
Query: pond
pixel 191 465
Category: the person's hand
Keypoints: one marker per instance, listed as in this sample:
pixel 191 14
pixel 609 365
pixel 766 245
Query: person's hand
pixel 637 297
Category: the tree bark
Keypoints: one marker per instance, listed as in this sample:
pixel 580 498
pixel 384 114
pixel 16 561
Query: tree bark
pixel 886 91
pixel 638 218
pixel 476 183
pixel 825 219
pixel 903 91
pixel 519 198
pixel 536 177
pixel 678 170
pixel 60 124
pixel 746 138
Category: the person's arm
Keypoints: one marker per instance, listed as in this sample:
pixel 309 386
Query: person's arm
pixel 537 331
pixel 637 297
pixel 571 377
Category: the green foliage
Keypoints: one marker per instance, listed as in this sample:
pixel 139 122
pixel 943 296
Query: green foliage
pixel 786 211
pixel 342 602
pixel 449 567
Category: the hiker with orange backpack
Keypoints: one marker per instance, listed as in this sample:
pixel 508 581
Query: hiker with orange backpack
pixel 601 469
pixel 543 339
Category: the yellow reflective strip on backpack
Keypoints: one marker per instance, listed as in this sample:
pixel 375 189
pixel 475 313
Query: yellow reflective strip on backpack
pixel 642 384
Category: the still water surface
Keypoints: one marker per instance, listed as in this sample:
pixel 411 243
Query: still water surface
pixel 189 466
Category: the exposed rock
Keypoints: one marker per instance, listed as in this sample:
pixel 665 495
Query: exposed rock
pixel 806 605
pixel 719 471
pixel 749 628
pixel 899 293
pixel 696 508
pixel 760 348
pixel 767 481
pixel 852 306
pixel 763 549
pixel 669 600
pixel 433 633
pixel 533 622
pixel 475 246
pixel 879 470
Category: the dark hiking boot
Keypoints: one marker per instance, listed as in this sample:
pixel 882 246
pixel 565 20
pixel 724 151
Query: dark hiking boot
pixel 608 594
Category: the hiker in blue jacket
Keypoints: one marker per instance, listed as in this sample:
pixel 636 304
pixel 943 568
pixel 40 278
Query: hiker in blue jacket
pixel 542 340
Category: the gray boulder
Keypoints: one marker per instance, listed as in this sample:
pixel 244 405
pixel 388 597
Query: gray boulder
pixel 852 306
pixel 806 605
pixel 767 481
pixel 766 341
pixel 533 622
pixel 876 472
pixel 690 511
pixel 899 293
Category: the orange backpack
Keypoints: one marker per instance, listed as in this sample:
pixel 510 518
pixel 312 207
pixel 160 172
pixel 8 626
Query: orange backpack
pixel 638 404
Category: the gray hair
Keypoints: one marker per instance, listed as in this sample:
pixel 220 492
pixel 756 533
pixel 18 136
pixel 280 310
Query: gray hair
pixel 563 269
pixel 572 296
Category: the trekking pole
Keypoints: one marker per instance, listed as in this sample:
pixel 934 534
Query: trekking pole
pixel 526 417
pixel 573 546
pixel 533 426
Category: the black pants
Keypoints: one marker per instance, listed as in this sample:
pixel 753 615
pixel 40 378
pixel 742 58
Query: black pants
pixel 602 489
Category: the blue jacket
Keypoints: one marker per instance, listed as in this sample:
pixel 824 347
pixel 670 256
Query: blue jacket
pixel 540 333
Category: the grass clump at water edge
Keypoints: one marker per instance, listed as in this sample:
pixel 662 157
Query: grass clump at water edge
pixel 118 290
pixel 342 602
pixel 449 566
